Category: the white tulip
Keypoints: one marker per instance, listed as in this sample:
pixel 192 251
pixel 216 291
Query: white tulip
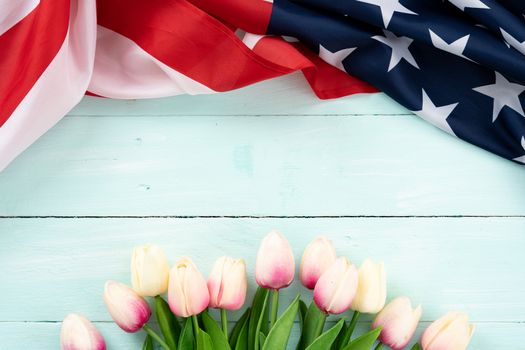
pixel 149 271
pixel 371 289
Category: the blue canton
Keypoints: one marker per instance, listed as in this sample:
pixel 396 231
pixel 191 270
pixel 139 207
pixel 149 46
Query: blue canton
pixel 459 64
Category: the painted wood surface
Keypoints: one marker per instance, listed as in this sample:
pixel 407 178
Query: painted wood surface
pixel 210 175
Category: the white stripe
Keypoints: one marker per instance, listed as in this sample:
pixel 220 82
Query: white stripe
pixel 125 70
pixel 251 40
pixel 58 89
pixel 13 11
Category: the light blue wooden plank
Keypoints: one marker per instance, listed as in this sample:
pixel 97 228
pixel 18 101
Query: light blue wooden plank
pixel 283 96
pixel 313 165
pixel 51 267
pixel 38 336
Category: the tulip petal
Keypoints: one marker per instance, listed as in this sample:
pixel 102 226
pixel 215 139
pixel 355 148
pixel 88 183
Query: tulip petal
pixel 371 290
pixel 336 288
pixel 78 333
pixel 188 291
pixel 149 270
pixel 451 331
pixel 317 257
pixel 398 322
pixel 127 308
pixel 275 265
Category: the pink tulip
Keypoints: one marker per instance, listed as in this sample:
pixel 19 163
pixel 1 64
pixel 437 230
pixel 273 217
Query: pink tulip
pixel 78 333
pixel 187 291
pixel 129 311
pixel 227 284
pixel 317 257
pixel 450 332
pixel 275 265
pixel 398 321
pixel 336 288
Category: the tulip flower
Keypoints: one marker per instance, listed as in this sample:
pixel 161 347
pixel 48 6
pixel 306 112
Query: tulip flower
pixel 275 265
pixel 128 309
pixel 398 322
pixel 227 284
pixel 371 290
pixel 187 291
pixel 336 288
pixel 451 331
pixel 149 271
pixel 317 257
pixel 78 333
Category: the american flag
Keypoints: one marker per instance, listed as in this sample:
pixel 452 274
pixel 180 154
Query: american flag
pixel 459 64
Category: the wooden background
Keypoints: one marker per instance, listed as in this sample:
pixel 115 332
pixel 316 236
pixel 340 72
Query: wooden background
pixel 206 176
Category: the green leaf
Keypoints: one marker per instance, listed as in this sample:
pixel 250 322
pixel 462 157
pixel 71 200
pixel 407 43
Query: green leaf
pixel 217 336
pixel 204 341
pixel 325 340
pixel 148 343
pixel 238 327
pixel 265 317
pixel 259 307
pixel 280 333
pixel 313 321
pixel 364 342
pixel 416 347
pixel 302 314
pixel 168 324
pixel 186 340
pixel 262 339
pixel 338 343
pixel 242 340
pixel 303 309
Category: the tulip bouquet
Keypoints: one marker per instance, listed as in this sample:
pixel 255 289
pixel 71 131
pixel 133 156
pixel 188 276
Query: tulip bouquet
pixel 183 321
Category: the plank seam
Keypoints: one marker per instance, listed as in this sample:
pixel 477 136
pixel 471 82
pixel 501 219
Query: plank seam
pixel 254 216
pixel 241 115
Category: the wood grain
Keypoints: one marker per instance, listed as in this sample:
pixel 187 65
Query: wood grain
pixel 257 166
pixel 447 218
pixel 468 264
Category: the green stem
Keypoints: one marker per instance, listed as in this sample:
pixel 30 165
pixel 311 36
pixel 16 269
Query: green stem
pixel 224 322
pixel 275 307
pixel 351 328
pixel 155 336
pixel 378 346
pixel 195 326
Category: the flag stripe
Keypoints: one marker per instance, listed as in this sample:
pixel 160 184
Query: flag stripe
pixel 60 86
pixel 124 70
pixel 188 40
pixel 11 12
pixel 30 52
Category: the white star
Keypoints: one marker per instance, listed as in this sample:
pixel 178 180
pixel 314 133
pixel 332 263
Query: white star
pixel 462 4
pixel 399 46
pixel 456 47
pixel 388 7
pixel 335 58
pixel 512 41
pixel 504 94
pixel 436 115
pixel 522 158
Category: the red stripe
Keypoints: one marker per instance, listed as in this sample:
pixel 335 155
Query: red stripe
pixel 252 16
pixel 330 82
pixel 326 80
pixel 188 40
pixel 27 49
